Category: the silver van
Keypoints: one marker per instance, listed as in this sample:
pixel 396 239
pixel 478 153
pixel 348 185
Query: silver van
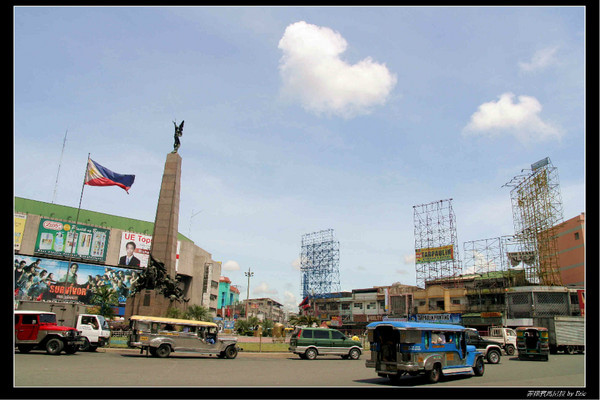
pixel 161 336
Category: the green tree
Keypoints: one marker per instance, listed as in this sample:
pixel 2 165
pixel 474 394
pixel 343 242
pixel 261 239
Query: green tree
pixel 304 320
pixel 106 299
pixel 267 326
pixel 173 312
pixel 199 313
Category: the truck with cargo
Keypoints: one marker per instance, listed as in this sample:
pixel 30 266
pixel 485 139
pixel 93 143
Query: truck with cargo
pixel 94 328
pixel 566 333
pixel 505 337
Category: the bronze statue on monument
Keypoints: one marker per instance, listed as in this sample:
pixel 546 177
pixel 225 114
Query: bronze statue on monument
pixel 177 135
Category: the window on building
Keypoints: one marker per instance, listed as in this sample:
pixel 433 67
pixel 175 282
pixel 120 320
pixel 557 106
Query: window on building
pixel 345 306
pixel 358 305
pixel 456 301
pixel 576 235
pixel 371 305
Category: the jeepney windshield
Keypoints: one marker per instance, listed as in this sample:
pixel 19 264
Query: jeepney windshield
pixel 510 332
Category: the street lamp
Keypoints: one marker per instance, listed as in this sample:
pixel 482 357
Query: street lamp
pixel 249 275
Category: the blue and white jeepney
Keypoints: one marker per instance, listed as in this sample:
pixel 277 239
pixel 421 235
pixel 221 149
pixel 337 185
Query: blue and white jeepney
pixel 416 348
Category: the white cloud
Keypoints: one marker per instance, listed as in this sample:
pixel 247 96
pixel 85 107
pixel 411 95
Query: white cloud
pixel 290 301
pixel 520 119
pixel 314 74
pixel 296 264
pixel 409 259
pixel 540 60
pixel 231 266
pixel 263 289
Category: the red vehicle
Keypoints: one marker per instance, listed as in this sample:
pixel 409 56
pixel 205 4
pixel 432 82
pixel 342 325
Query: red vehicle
pixel 39 330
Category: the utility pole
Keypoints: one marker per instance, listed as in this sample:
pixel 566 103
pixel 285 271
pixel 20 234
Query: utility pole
pixel 249 275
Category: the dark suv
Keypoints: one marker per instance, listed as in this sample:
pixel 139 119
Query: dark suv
pixel 308 343
pixel 491 350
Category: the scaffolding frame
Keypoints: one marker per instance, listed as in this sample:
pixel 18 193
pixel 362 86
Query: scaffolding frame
pixel 319 264
pixel 484 255
pixel 435 226
pixel 537 212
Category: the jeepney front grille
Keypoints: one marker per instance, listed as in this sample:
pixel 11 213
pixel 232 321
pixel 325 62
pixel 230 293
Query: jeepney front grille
pixel 406 357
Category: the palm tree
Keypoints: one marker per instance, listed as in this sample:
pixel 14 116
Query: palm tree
pixel 267 326
pixel 199 313
pixel 106 299
pixel 304 320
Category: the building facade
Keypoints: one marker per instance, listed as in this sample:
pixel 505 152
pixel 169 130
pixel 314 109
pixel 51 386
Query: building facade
pixel 99 246
pixel 571 251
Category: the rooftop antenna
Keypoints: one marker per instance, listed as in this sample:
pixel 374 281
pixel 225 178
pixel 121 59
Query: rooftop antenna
pixel 59 164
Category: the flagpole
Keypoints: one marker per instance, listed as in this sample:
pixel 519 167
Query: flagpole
pixel 75 236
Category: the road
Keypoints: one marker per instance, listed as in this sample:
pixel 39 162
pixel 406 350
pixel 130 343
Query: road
pixel 110 368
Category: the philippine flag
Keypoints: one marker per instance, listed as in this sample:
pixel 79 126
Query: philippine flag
pixel 97 175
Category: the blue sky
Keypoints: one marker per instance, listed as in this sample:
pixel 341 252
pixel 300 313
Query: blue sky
pixel 300 119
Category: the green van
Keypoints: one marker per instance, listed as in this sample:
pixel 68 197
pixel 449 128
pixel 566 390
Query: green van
pixel 309 343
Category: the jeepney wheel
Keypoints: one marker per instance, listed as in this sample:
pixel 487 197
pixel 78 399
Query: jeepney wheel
pixel 510 350
pixel 433 376
pixel 54 346
pixel 85 346
pixel 479 368
pixel 569 350
pixel 310 354
pixel 163 351
pixel 493 356
pixel 354 354
pixel 230 352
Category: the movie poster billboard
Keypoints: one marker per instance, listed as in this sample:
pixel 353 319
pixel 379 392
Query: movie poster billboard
pixel 434 254
pixel 58 238
pixel 46 279
pixel 20 220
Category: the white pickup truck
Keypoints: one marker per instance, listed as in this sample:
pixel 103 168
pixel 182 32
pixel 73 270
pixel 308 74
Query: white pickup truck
pixel 505 337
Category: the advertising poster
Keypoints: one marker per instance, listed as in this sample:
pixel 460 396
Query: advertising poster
pixel 20 220
pixel 134 250
pixel 434 254
pixel 60 239
pixel 46 279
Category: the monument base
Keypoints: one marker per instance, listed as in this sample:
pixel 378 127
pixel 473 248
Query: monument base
pixel 147 302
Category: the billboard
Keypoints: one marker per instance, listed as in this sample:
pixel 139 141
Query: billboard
pixel 445 318
pixel 46 279
pixel 20 220
pixel 434 254
pixel 135 249
pixel 83 242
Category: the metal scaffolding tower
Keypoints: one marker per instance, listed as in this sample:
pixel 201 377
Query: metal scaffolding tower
pixel 319 264
pixel 484 256
pixel 436 243
pixel 537 212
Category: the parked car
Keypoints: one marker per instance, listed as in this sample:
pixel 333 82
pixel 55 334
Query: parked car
pixel 161 336
pixel 491 350
pixel 39 330
pixel 309 343
pixel 414 348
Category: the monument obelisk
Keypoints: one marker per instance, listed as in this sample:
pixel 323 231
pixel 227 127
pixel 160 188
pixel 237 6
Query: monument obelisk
pixel 164 238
